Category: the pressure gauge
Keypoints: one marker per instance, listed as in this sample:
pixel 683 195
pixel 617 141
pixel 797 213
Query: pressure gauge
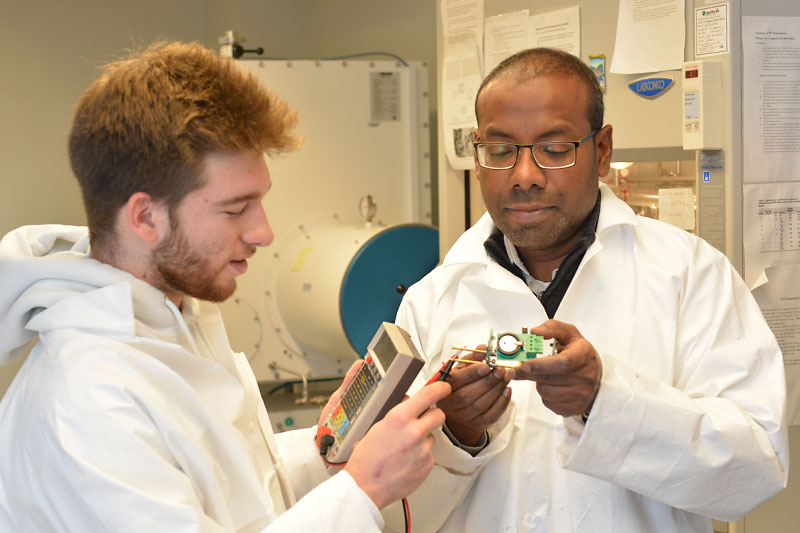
pixel 508 344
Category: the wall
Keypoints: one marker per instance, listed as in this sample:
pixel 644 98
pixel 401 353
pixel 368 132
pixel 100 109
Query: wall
pixel 50 49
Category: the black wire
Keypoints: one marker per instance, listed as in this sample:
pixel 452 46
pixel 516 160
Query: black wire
pixel 400 59
pixel 467 207
pixel 395 56
pixel 298 382
pixel 406 515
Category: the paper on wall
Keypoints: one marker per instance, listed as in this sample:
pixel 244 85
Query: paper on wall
pixel 462 23
pixel 461 77
pixel 771 227
pixel 778 295
pixel 650 36
pixel 560 29
pixel 676 206
pixel 771 98
pixel 504 35
pixel 712 35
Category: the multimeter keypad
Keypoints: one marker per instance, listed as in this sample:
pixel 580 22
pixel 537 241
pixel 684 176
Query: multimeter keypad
pixel 355 395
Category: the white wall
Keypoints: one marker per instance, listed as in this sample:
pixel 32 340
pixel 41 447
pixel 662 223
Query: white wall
pixel 50 48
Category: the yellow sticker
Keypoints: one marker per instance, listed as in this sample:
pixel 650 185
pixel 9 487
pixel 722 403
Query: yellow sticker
pixel 300 259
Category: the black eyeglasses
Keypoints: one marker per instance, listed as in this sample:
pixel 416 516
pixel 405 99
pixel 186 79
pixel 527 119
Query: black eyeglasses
pixel 549 155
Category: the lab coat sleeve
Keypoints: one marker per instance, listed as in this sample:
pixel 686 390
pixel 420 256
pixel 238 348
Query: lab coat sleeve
pixel 325 501
pixel 301 459
pixel 711 442
pixel 338 504
pixel 95 452
pixel 109 457
pixel 455 470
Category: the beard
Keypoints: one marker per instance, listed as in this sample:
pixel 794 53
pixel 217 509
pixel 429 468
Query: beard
pixel 183 268
pixel 535 236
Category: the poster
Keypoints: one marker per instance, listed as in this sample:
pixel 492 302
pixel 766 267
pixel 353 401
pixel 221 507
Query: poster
pixel 778 295
pixel 771 98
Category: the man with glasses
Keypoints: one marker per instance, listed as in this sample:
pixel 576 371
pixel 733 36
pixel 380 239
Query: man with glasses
pixel 664 404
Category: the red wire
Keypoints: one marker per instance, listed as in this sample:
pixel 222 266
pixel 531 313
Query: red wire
pixel 407 515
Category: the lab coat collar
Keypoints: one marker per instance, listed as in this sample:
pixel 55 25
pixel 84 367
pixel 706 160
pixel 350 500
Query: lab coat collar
pixel 614 214
pixel 51 282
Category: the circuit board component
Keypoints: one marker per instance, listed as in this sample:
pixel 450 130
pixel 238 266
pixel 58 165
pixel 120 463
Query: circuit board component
pixel 512 349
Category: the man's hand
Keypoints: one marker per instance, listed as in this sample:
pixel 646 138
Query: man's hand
pixel 395 456
pixel 568 381
pixel 478 399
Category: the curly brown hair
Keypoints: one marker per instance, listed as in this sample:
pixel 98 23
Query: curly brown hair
pixel 147 122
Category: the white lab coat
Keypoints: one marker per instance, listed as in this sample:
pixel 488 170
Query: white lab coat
pixel 130 415
pixel 687 424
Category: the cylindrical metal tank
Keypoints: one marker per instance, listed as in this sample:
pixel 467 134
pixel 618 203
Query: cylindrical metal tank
pixel 337 283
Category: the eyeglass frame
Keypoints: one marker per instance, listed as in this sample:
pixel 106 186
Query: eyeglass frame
pixel 576 144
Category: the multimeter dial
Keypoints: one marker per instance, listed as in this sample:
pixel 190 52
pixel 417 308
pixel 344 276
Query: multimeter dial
pixel 508 344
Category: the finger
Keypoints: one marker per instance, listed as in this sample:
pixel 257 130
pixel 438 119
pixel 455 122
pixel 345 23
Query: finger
pixel 424 398
pixel 578 354
pixel 480 405
pixel 554 329
pixel 496 409
pixel 466 374
pixel 351 372
pixel 467 395
pixel 541 367
pixel 431 419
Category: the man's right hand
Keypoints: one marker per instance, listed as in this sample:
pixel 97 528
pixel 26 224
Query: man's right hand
pixel 395 456
pixel 478 399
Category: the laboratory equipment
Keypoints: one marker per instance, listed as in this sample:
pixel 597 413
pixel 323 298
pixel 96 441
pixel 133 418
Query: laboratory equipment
pixel 309 304
pixel 337 283
pixel 390 365
pixel 702 105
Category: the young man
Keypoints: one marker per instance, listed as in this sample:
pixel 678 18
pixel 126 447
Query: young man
pixel 665 403
pixel 132 413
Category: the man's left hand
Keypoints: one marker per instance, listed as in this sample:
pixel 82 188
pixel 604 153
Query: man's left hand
pixel 568 381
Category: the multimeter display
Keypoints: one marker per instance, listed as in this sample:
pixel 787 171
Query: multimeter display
pixel 385 351
pixel 390 365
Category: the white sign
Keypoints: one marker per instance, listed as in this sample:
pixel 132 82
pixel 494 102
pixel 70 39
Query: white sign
pixel 711 31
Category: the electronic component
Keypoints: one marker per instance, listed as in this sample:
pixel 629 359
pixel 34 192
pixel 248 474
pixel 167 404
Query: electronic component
pixel 512 349
pixel 390 365
pixel 702 105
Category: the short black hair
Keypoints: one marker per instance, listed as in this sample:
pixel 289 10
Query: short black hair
pixel 535 62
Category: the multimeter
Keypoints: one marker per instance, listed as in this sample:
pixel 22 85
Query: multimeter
pixel 512 349
pixel 390 366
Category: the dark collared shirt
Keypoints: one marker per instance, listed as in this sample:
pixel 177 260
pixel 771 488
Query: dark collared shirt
pixel 552 296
